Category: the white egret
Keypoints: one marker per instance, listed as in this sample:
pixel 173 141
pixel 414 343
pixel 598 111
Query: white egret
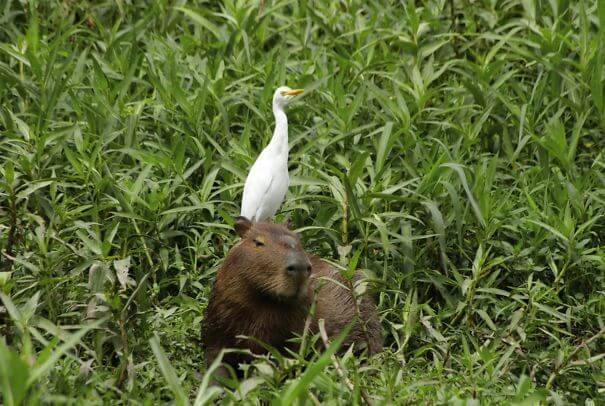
pixel 268 179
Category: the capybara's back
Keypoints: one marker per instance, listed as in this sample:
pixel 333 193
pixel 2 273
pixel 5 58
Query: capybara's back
pixel 337 305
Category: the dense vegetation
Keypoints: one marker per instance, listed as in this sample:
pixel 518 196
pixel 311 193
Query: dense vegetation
pixel 453 150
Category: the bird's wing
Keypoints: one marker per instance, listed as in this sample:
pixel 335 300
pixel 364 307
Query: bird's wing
pixel 256 188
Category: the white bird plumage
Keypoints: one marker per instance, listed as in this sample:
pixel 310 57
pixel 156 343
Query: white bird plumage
pixel 268 180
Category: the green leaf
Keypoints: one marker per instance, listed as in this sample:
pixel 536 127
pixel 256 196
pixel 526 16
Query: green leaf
pixel 458 169
pixel 74 339
pixel 202 21
pixel 168 372
pixel 14 376
pixel 206 394
pixel 33 187
pixel 384 146
pixel 296 388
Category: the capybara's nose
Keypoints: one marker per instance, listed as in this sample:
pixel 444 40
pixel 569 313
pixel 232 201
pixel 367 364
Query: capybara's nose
pixel 298 265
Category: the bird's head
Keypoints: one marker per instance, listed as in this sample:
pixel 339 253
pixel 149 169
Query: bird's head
pixel 283 95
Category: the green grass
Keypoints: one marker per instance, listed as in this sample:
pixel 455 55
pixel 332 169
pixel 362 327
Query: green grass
pixel 458 151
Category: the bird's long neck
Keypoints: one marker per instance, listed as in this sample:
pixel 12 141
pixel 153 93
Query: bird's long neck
pixel 279 142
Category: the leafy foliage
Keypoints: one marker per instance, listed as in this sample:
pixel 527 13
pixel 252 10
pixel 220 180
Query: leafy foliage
pixel 451 149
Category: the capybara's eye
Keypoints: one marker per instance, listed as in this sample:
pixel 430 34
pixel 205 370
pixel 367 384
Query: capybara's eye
pixel 259 243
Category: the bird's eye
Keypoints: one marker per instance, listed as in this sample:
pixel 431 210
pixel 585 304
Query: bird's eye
pixel 259 243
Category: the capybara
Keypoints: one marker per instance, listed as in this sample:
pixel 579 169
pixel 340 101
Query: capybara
pixel 264 290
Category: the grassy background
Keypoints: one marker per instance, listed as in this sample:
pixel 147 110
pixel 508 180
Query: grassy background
pixel 456 147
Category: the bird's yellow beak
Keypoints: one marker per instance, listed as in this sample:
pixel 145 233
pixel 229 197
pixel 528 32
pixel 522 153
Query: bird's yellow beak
pixel 292 92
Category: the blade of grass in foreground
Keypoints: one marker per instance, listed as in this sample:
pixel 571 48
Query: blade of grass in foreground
pixel 73 340
pixel 297 387
pixel 206 394
pixel 39 371
pixel 168 372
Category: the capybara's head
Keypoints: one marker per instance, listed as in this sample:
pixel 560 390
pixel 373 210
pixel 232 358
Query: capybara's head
pixel 270 258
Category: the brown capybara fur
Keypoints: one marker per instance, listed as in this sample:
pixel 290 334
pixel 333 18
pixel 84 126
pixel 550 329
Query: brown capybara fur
pixel 264 290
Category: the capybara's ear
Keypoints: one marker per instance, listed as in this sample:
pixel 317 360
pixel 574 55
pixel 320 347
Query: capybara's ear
pixel 287 223
pixel 242 225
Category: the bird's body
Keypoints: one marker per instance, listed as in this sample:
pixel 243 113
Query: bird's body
pixel 268 180
pixel 266 185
